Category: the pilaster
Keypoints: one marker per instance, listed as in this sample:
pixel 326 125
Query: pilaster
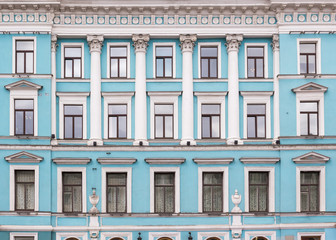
pixel 54 46
pixel 276 101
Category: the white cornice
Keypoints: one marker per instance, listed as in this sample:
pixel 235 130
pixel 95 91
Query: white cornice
pixel 117 161
pixel 66 94
pixel 262 160
pixel 169 161
pixel 23 157
pixel 110 94
pixel 256 93
pixel 168 93
pixel 210 93
pixel 311 157
pixel 310 87
pixel 23 85
pixel 215 161
pixel 67 161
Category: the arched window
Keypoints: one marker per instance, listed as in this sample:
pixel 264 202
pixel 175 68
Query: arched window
pixel 116 238
pixel 72 238
pixel 259 238
pixel 213 238
pixel 165 238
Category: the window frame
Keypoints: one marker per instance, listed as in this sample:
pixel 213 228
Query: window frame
pixel 311 234
pixel 165 44
pixel 255 116
pixel 12 190
pixel 210 116
pixel 271 235
pixel 164 187
pixel 117 116
pixel 163 115
pixel 317 41
pixel 66 235
pixel 175 170
pixel 113 235
pixel 73 122
pixel 265 46
pixel 322 185
pixel 72 45
pixel 267 204
pixel 24 122
pixel 308 119
pixel 14 58
pixel 158 235
pixel 72 185
pixel 128 61
pixel 105 171
pixel 25 197
pixel 12 235
pixel 208 235
pixel 219 58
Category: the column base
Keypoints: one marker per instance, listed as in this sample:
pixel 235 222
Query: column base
pixel 140 143
pixel 234 141
pixel 188 142
pixel 95 142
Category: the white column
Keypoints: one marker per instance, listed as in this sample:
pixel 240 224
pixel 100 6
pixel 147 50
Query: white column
pixel 276 103
pixel 95 42
pixel 232 44
pixel 140 48
pixel 54 46
pixel 187 46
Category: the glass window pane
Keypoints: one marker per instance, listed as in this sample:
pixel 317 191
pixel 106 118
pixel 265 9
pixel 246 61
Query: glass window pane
pixel 24 104
pixel 217 192
pixel 210 109
pixel 311 64
pixel 163 109
pixel 303 64
pixel 256 109
pixel 215 127
pixel 308 106
pixel 164 178
pixel 122 127
pixel 112 127
pixel 122 67
pixel 169 127
pixel 213 68
pixel 78 127
pixel 251 127
pixel 111 199
pixel 20 62
pixel 205 127
pixel 307 47
pixel 73 109
pixel 25 45
pixel 73 52
pixel 304 124
pixel 168 67
pixel 204 68
pixel 67 201
pixel 164 51
pixel 313 198
pixel 72 178
pixel 25 176
pixel 250 68
pixel 117 109
pixel 159 199
pixel 169 199
pixel 114 67
pixel 207 199
pixel 262 198
pixel 208 51
pixel 30 196
pixel 121 199
pixel 29 62
pixel 255 51
pixel 29 122
pixel 77 68
pixel 213 178
pixel 19 122
pixel 313 124
pixel 258 177
pixel 304 201
pixel 260 68
pixel 28 238
pixel 116 178
pixel 68 127
pixel 159 127
pixel 253 198
pixel 261 126
pixel 68 68
pixel 77 198
pixel 118 51
pixel 309 177
pixel 159 67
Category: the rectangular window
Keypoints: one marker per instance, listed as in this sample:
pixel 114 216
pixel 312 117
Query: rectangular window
pixel 24 116
pixel 164 61
pixel 211 121
pixel 72 191
pixel 24 51
pixel 72 62
pixel 24 190
pixel 117 119
pixel 311 238
pixel 116 192
pixel 307 58
pixel 212 191
pixel 209 62
pixel 310 191
pixel 309 118
pixel 164 126
pixel 258 191
pixel 118 62
pixel 255 62
pixel 73 121
pixel 164 192
pixel 24 238
pixel 256 121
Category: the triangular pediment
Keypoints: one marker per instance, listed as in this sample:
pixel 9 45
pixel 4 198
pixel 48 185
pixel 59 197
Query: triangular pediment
pixel 23 157
pixel 23 85
pixel 311 157
pixel 310 87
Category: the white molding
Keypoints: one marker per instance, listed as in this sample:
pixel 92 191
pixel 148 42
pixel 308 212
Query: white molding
pixel 314 88
pixel 12 235
pixel 213 160
pixel 265 45
pixel 12 169
pixel 258 97
pixel 69 161
pixel 169 44
pixel 271 186
pixel 318 52
pixel 171 235
pixel 79 98
pixel 116 161
pixel 311 157
pixel 66 235
pixel 71 44
pixel 211 98
pixel 110 235
pixel 23 157
pixel 127 170
pixel 14 51
pixel 207 235
pixel 164 98
pixel 309 234
pixel 260 160
pixel 128 55
pixel 165 160
pixel 176 170
pixel 225 171
pixel 60 170
pixel 322 192
pixel 118 98
pixel 250 235
pixel 219 57
pixel 23 85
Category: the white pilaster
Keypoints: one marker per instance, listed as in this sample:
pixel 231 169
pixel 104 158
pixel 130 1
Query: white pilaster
pixel 187 46
pixel 140 47
pixel 276 67
pixel 54 46
pixel 232 44
pixel 95 42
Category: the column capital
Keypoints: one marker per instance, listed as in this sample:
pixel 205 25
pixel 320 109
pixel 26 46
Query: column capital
pixel 233 42
pixel 95 42
pixel 54 44
pixel 187 42
pixel 140 42
pixel 275 42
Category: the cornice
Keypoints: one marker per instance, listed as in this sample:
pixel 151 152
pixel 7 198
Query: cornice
pixel 216 161
pixel 116 161
pixel 256 160
pixel 169 161
pixel 68 161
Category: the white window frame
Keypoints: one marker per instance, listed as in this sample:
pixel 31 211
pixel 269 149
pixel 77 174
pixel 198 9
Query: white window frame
pixel 66 235
pixel 207 235
pixel 320 169
pixel 258 98
pixel 317 41
pixel 171 235
pixel 219 57
pixel 128 171
pixel 225 171
pixel 67 98
pixel 128 55
pixel 22 94
pixel 175 170
pixel 271 186
pixel 14 53
pixel 308 234
pixel 265 46
pixel 12 235
pixel 251 235
pixel 310 97
pixel 211 98
pixel 60 170
pixel 160 44
pixel 71 44
pixel 118 98
pixel 12 170
pixel 110 235
pixel 164 98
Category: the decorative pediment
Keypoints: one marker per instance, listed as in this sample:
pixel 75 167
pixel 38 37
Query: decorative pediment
pixel 23 157
pixel 311 157
pixel 23 85
pixel 310 87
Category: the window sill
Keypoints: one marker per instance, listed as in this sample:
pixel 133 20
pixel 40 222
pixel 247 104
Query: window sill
pixel 210 79
pixel 25 137
pixel 164 140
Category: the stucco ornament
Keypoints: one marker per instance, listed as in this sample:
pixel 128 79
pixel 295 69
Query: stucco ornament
pixel 95 42
pixel 140 42
pixel 94 199
pixel 54 44
pixel 233 42
pixel 275 42
pixel 236 199
pixel 187 42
